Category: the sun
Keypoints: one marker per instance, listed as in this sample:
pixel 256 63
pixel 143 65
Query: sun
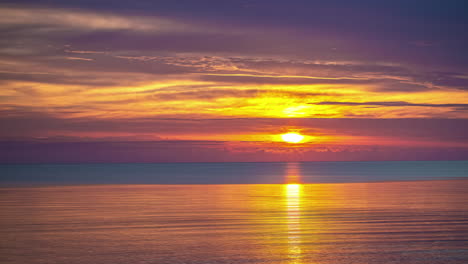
pixel 292 137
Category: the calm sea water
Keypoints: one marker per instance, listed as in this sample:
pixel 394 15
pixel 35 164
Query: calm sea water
pixel 353 218
pixel 231 173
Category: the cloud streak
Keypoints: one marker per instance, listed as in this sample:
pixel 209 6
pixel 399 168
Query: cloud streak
pixel 394 104
pixel 55 19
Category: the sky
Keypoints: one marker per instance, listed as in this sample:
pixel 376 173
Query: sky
pixel 220 81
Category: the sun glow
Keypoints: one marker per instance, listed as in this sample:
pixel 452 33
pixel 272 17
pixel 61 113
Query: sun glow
pixel 293 190
pixel 292 137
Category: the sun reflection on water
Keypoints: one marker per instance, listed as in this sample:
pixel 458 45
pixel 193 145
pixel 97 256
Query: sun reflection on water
pixel 292 194
pixel 293 207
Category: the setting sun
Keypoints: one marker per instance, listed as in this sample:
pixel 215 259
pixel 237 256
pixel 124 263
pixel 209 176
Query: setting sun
pixel 292 137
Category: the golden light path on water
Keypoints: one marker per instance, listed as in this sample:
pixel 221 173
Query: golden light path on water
pixel 292 193
pixel 293 205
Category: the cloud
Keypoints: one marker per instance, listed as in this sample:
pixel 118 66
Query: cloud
pixel 323 68
pixel 57 78
pixel 375 83
pixel 206 94
pixel 457 81
pixel 299 80
pixel 390 85
pixel 78 58
pixel 55 18
pixel 393 104
pixel 166 45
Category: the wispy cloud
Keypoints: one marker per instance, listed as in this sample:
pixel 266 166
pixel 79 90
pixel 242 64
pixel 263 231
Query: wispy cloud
pixel 55 19
pixel 79 58
pixel 392 104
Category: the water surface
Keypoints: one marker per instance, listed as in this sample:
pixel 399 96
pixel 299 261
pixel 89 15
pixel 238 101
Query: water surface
pixel 395 222
pixel 230 173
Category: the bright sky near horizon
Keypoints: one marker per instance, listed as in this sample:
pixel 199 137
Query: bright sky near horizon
pixel 223 80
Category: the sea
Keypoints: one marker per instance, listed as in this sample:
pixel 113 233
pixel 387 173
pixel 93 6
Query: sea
pixel 215 213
